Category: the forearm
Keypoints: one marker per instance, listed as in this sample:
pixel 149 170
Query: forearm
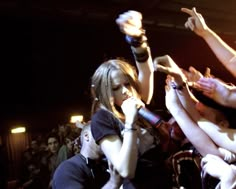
pixel 188 101
pixel 223 51
pixel 195 135
pixel 127 159
pixel 122 154
pixel 144 63
pixel 223 137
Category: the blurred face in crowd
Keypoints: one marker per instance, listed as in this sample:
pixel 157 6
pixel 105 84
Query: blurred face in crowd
pixel 53 145
pixel 69 144
pixel 34 146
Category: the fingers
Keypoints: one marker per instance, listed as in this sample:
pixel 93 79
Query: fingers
pixel 188 11
pixel 207 72
pixel 159 64
pixel 136 14
pixel 195 72
pixel 190 23
pixel 163 69
pixel 162 60
pixel 191 12
pixel 130 19
pixel 130 23
pixel 194 12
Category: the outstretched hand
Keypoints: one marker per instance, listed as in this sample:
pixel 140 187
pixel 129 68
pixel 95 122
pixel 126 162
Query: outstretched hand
pixel 214 89
pixel 193 75
pixel 167 65
pixel 195 22
pixel 214 166
pixel 130 23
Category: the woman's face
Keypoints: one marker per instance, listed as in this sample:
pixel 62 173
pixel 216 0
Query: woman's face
pixel 121 87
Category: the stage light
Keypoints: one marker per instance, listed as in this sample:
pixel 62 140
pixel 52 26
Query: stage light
pixel 18 130
pixel 75 118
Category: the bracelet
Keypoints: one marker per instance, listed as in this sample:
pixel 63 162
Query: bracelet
pixel 141 56
pixel 178 87
pixel 129 129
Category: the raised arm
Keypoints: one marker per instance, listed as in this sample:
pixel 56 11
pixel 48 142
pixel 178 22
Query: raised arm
pixel 223 137
pixel 192 131
pixel 225 54
pixel 130 23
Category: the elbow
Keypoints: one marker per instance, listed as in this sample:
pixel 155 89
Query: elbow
pixel 127 174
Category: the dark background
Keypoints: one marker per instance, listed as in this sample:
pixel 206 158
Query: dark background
pixel 50 49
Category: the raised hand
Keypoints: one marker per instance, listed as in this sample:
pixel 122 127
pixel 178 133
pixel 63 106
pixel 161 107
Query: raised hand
pixel 167 65
pixel 130 23
pixel 195 22
pixel 192 74
pixel 215 166
pixel 214 89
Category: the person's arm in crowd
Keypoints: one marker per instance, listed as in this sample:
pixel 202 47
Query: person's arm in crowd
pixel 218 168
pixel 218 90
pixel 225 54
pixel 223 137
pixel 130 23
pixel 200 140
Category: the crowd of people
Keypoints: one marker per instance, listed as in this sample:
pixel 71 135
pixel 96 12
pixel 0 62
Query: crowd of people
pixel 193 146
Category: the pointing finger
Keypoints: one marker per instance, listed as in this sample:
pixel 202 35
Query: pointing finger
pixel 188 11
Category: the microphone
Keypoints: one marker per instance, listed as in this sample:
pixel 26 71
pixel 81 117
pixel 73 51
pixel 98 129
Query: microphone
pixel 153 119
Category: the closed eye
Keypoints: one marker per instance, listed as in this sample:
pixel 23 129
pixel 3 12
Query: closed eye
pixel 116 88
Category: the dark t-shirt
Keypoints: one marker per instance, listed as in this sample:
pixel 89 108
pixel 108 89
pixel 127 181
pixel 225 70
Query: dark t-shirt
pixel 150 171
pixel 77 173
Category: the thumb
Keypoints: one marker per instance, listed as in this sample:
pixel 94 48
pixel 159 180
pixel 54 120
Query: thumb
pixel 194 11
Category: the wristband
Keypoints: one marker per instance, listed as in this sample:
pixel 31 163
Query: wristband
pixel 178 87
pixel 129 129
pixel 136 41
pixel 141 56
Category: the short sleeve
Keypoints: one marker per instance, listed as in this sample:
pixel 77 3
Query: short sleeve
pixel 103 124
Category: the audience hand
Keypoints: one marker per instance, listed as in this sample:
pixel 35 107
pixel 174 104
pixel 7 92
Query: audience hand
pixel 167 65
pixel 195 22
pixel 193 75
pixel 218 168
pixel 214 89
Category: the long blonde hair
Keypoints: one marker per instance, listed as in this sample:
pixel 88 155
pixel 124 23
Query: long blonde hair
pixel 101 84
